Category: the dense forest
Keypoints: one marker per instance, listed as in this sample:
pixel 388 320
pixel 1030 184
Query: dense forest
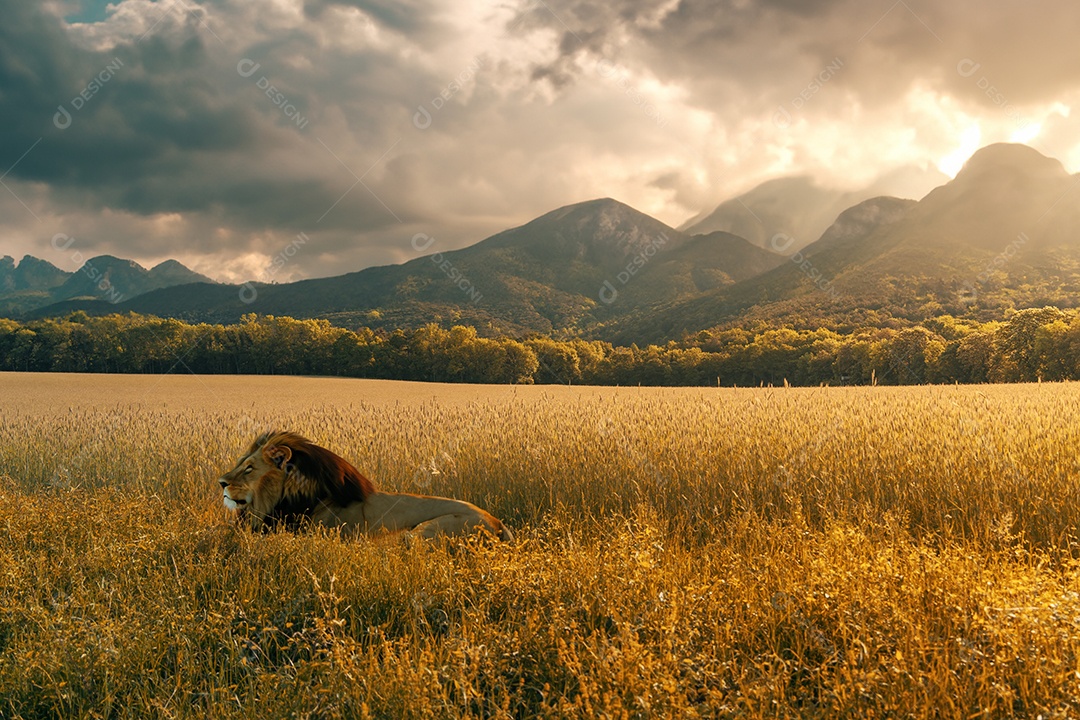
pixel 1026 345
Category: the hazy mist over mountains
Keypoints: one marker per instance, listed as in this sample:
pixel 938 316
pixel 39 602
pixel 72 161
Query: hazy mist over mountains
pixel 801 208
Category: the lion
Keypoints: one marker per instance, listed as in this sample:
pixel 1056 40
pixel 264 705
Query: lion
pixel 285 479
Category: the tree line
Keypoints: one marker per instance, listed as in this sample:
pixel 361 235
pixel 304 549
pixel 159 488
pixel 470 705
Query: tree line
pixel 1026 345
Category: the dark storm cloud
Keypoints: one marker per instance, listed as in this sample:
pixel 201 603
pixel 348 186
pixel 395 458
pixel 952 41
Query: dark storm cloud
pixel 168 124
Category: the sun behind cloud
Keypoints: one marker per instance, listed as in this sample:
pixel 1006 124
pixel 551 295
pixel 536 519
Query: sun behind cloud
pixel 970 141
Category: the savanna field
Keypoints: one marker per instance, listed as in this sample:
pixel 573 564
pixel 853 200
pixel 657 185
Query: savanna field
pixel 816 552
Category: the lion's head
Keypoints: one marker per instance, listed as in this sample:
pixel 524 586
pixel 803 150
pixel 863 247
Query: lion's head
pixel 283 478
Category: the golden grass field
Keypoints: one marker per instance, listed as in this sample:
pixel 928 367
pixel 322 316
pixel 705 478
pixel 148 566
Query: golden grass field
pixel 853 552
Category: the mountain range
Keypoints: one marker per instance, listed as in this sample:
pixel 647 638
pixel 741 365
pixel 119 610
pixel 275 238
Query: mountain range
pixel 1005 232
pixel 36 283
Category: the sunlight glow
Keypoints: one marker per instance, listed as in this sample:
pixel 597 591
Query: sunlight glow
pixel 969 143
pixel 1026 133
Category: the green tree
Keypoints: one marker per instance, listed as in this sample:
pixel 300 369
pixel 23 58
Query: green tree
pixel 1016 342
pixel 558 362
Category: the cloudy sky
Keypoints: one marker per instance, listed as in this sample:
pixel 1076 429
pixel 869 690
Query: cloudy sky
pixel 217 132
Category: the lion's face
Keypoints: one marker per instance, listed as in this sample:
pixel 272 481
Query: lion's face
pixel 256 485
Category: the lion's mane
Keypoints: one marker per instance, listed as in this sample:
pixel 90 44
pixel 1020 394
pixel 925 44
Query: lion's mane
pixel 314 476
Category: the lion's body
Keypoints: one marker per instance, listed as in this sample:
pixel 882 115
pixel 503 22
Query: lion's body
pixel 285 479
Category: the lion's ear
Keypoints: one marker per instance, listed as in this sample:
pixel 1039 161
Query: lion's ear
pixel 277 454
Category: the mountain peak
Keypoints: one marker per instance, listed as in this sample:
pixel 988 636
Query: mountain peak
pixel 173 272
pixel 599 203
pixel 114 279
pixel 103 266
pixel 592 208
pixel 31 261
pixel 596 228
pixel 1011 158
pixel 31 274
pixel 859 222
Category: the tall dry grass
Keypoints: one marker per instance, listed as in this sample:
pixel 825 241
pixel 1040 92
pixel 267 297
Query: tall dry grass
pixel 760 553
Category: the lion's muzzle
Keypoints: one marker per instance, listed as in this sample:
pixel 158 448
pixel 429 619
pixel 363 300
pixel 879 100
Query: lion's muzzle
pixel 231 501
